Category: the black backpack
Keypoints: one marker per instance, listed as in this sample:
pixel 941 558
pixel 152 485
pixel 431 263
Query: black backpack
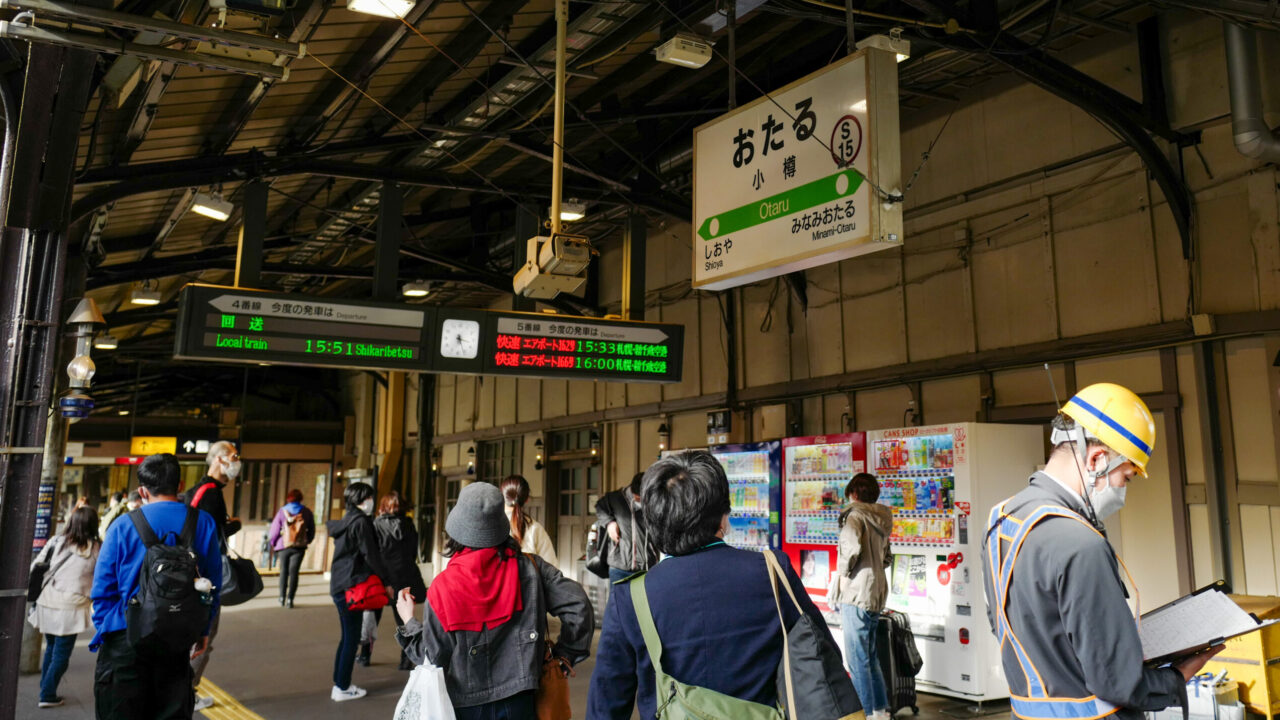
pixel 167 615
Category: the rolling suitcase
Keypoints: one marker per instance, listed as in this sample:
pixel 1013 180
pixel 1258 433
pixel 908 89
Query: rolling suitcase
pixel 899 660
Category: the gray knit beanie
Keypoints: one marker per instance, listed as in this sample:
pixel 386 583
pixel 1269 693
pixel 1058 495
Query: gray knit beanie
pixel 479 520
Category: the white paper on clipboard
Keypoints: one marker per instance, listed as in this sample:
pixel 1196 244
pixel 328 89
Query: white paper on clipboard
pixel 1193 622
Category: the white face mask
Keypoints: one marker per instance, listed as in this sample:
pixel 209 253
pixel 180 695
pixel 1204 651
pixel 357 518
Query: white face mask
pixel 1108 500
pixel 233 470
pixel 367 506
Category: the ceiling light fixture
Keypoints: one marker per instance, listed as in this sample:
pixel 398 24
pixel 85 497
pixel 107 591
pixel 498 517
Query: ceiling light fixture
pixel 893 42
pixel 106 342
pixel 572 210
pixel 212 206
pixel 382 8
pixel 143 295
pixel 417 288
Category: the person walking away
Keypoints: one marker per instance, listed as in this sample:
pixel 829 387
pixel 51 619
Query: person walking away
pixel 529 533
pixel 356 557
pixel 292 530
pixel 62 611
pixel 130 684
pixel 712 605
pixel 859 587
pixel 398 542
pixel 1046 550
pixel 621 514
pixel 485 620
pixel 113 511
pixel 224 465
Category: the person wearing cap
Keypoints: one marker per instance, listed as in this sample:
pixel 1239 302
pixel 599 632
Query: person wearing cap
pixel 1055 597
pixel 485 619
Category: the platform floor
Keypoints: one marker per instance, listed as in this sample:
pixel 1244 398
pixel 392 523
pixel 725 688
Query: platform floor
pixel 277 664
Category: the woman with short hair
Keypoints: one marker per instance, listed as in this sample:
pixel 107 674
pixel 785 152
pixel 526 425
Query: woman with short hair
pixel 398 542
pixel 356 557
pixel 64 608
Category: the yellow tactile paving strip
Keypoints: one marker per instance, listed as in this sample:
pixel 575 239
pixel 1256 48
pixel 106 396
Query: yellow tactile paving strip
pixel 224 706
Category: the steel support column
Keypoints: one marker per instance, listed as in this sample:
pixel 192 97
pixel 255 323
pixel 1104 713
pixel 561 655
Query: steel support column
pixel 253 231
pixel 386 254
pixel 33 251
pixel 633 265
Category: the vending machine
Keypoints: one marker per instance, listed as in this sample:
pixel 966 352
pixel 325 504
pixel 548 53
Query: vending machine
pixel 941 481
pixel 755 493
pixel 815 471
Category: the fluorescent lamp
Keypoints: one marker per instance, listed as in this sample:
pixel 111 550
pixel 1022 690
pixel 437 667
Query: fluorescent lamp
pixel 124 412
pixel 417 288
pixel 382 8
pixel 572 210
pixel 143 296
pixel 212 206
pixel 106 342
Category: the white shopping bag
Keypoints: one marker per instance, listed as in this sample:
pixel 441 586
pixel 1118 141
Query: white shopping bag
pixel 425 696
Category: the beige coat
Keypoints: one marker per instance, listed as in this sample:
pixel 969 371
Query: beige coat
pixel 864 554
pixel 64 606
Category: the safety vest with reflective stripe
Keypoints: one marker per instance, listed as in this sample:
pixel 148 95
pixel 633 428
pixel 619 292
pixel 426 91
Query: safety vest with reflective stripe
pixel 1002 555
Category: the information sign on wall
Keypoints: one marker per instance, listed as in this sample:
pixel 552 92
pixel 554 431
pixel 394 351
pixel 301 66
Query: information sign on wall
pixel 795 179
pixel 145 445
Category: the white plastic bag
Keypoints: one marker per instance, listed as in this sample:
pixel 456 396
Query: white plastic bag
pixel 425 696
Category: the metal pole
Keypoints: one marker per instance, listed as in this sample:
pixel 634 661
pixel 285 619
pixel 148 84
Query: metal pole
pixel 848 26
pixel 10 139
pixel 731 16
pixel 557 152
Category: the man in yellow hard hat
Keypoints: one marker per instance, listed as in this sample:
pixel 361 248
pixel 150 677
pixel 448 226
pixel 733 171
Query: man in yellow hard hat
pixel 1055 598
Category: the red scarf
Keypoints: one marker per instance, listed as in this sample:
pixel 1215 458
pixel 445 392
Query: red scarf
pixel 477 588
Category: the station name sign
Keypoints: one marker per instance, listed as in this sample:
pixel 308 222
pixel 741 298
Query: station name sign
pixel 224 324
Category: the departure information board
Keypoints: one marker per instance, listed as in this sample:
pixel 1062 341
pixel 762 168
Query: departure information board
pixel 238 325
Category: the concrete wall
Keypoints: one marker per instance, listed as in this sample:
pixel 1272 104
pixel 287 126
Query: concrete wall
pixel 1029 224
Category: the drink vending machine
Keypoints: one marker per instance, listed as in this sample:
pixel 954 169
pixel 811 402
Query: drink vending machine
pixel 941 482
pixel 755 494
pixel 815 473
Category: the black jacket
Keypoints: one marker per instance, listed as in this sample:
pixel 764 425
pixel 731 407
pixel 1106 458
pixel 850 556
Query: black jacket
pixel 355 552
pixel 628 553
pixel 213 503
pixel 398 543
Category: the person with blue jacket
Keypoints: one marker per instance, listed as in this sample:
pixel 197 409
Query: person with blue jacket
pixel 712 605
pixel 128 685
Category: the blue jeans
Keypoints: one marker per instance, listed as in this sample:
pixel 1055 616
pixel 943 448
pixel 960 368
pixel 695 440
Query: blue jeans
pixel 520 706
pixel 57 653
pixel 860 650
pixel 345 659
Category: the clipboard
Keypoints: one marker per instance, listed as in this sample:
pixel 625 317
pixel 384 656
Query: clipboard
pixel 1194 623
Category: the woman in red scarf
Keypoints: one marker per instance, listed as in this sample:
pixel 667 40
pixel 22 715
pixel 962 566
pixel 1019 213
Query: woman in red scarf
pixel 485 620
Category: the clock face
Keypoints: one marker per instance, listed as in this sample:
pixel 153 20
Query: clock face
pixel 460 339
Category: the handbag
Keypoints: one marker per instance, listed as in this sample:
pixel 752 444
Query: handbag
pixel 598 552
pixel 368 594
pixel 553 689
pixel 811 679
pixel 425 696
pixel 41 575
pixel 240 581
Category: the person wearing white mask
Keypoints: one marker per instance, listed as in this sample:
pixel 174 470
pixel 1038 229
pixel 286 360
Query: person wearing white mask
pixel 224 467
pixel 1055 595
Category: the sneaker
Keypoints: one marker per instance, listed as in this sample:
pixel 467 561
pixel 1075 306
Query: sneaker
pixel 351 693
pixel 56 702
pixel 289 603
pixel 202 702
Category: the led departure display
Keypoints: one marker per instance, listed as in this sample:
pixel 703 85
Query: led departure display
pixel 236 325
pixel 558 346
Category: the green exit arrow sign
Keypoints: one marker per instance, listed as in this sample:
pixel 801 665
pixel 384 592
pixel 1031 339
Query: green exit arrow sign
pixel 811 194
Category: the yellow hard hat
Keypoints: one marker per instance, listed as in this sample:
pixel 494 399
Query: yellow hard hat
pixel 1117 417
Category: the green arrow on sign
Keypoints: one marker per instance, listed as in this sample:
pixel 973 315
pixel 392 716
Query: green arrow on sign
pixel 823 190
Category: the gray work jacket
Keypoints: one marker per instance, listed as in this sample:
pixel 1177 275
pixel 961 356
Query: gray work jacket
pixel 495 663
pixel 1067 608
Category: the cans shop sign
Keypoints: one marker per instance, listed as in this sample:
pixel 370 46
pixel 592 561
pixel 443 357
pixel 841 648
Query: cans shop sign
pixel 797 179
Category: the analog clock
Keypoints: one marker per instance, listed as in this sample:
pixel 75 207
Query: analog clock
pixel 460 339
